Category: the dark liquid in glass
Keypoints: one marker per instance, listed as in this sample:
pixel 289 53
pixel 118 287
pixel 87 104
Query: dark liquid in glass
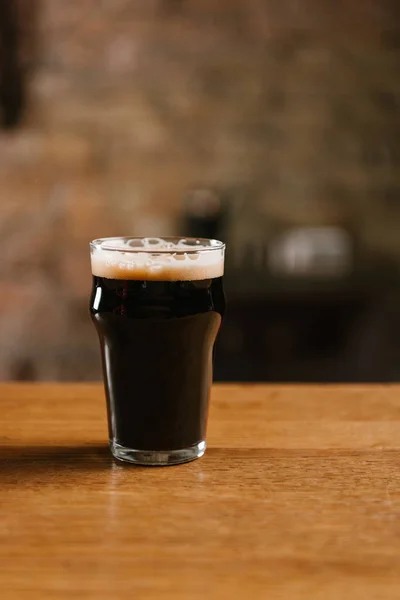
pixel 157 340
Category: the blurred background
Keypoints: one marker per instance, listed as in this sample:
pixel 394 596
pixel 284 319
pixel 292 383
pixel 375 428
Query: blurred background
pixel 272 124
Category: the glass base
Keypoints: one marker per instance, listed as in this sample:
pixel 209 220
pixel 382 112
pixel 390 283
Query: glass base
pixel 157 458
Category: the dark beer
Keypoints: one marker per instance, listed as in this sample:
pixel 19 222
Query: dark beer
pixel 157 340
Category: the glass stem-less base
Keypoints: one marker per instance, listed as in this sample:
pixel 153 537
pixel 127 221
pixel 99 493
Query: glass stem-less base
pixel 157 458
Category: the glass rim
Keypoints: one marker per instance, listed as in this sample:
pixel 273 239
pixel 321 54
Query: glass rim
pixel 199 245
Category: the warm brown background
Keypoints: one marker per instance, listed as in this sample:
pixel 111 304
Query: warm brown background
pixel 292 105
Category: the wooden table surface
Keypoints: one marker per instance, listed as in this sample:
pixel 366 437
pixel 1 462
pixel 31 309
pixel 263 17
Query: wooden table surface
pixel 297 497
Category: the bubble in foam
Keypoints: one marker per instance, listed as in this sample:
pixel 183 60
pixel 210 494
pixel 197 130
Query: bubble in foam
pixel 185 243
pixel 153 242
pixel 135 243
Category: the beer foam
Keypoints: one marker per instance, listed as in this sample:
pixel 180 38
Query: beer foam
pixel 157 259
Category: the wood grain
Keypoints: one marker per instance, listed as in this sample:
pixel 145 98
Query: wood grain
pixel 297 497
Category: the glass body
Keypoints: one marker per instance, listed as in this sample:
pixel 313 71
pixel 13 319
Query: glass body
pixel 157 323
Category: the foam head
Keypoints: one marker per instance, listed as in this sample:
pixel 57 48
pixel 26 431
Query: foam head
pixel 158 259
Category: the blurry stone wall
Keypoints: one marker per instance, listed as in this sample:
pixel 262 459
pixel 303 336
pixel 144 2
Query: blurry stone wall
pixel 293 103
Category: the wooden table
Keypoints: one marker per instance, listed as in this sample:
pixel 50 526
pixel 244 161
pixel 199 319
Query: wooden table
pixel 297 497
